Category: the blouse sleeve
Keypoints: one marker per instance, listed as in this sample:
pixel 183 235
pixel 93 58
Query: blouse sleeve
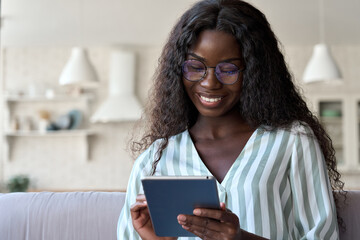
pixel 142 167
pixel 314 210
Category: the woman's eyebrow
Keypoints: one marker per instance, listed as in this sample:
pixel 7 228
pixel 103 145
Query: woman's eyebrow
pixel 197 56
pixel 204 60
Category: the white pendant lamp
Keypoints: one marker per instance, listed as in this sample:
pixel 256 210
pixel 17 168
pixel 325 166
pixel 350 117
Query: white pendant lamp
pixel 78 70
pixel 322 66
pixel 121 103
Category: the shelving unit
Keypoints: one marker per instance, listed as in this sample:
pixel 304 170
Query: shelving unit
pixel 59 98
pixel 342 122
pixel 11 135
pixel 85 134
pixel 61 133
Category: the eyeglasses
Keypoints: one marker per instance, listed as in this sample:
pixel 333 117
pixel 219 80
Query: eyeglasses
pixel 195 70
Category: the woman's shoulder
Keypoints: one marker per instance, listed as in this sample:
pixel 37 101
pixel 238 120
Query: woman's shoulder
pixel 154 147
pixel 145 159
pixel 296 128
pixel 175 139
pixel 301 128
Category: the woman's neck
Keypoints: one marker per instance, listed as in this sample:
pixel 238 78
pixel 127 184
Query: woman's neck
pixel 219 127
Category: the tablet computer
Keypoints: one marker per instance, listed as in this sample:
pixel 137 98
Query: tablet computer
pixel 169 196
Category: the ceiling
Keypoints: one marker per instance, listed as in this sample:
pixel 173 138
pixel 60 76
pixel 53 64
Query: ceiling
pixel 101 22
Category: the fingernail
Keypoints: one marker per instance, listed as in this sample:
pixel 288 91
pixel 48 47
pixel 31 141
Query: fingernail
pixel 185 227
pixel 197 211
pixel 181 218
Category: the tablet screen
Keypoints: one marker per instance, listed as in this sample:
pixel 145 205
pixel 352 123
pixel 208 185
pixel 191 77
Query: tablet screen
pixel 169 196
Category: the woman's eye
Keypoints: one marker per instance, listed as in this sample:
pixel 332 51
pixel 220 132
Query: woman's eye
pixel 229 72
pixel 196 69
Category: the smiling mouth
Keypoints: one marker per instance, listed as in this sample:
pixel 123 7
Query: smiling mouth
pixel 210 100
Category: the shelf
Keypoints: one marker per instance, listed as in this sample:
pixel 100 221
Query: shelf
pixel 59 98
pixel 331 120
pixel 62 133
pixel 83 133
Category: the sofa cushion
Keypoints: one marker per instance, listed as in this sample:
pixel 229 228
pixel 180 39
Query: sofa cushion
pixel 69 215
pixel 350 213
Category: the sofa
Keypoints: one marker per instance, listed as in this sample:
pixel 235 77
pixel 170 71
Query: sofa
pixel 55 216
pixel 94 215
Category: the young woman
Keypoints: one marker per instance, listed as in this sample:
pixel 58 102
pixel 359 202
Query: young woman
pixel 224 104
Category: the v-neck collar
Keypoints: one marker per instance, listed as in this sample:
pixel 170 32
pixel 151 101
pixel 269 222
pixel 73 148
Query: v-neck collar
pixel 238 158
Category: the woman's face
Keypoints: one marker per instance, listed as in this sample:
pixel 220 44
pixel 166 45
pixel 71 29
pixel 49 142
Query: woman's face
pixel 209 95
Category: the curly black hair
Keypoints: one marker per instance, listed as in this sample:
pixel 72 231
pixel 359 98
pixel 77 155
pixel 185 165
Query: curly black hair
pixel 269 96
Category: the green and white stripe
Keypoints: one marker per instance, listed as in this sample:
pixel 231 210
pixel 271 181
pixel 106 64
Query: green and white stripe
pixel 278 186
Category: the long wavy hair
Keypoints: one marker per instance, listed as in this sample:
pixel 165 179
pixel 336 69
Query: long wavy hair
pixel 269 96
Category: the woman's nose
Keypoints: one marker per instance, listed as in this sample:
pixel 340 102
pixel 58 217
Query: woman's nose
pixel 210 81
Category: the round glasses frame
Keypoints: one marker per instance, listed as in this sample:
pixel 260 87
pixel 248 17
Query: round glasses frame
pixel 217 74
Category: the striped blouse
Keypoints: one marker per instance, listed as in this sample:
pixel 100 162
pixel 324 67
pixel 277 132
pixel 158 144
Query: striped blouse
pixel 278 186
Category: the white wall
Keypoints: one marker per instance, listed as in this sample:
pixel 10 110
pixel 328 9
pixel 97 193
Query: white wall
pixel 36 39
pixel 58 163
pixel 88 22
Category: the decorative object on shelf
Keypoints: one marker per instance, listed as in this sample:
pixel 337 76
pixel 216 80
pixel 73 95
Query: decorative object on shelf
pixel 15 124
pixel 76 118
pixel 18 183
pixel 63 122
pixel 322 66
pixel 79 71
pixel 70 121
pixel 44 121
pixel 121 103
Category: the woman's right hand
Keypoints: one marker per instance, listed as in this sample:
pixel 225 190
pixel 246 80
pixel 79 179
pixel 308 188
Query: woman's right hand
pixel 141 220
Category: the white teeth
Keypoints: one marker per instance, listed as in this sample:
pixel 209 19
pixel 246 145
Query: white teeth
pixel 210 99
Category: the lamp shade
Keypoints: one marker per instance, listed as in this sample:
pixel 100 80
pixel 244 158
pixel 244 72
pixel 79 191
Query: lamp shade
pixel 78 70
pixel 121 104
pixel 321 66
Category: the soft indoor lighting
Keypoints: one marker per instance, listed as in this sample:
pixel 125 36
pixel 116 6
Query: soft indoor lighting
pixel 78 70
pixel 321 66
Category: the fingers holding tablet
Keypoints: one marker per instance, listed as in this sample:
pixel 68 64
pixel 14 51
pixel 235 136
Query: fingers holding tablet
pixel 140 214
pixel 139 205
pixel 141 219
pixel 183 194
pixel 141 198
pixel 211 223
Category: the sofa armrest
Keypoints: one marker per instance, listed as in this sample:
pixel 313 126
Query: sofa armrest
pixel 69 215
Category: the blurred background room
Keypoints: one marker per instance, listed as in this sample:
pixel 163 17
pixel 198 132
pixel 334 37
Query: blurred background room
pixel 75 76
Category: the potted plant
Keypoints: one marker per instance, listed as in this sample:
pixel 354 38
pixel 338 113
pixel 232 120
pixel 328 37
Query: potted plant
pixel 18 183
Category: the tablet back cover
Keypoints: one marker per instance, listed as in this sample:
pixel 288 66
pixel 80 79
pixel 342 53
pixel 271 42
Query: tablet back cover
pixel 167 197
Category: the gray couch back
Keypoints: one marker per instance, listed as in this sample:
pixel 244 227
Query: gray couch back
pixel 94 215
pixel 60 216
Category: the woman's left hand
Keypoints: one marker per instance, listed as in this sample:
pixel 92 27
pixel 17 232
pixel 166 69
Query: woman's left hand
pixel 212 223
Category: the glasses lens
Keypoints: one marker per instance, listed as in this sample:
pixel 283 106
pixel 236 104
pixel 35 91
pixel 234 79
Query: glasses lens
pixel 227 72
pixel 193 70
